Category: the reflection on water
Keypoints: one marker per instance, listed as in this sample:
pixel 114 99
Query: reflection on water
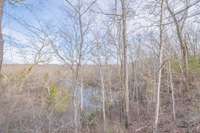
pixel 91 95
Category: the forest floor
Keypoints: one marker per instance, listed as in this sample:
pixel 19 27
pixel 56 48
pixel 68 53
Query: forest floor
pixel 36 102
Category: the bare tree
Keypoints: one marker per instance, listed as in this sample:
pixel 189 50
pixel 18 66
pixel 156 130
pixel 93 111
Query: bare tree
pixel 1 34
pixel 102 80
pixel 160 66
pixel 179 24
pixel 79 10
pixel 125 60
pixel 172 89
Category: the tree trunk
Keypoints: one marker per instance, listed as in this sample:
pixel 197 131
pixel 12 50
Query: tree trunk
pixel 183 45
pixel 75 101
pixel 82 106
pixel 110 92
pixel 160 68
pixel 78 66
pixel 103 99
pixel 125 65
pixel 1 34
pixel 172 89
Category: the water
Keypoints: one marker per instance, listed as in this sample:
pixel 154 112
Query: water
pixel 91 95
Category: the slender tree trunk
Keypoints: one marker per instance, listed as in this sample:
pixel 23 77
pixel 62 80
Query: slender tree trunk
pixel 82 106
pixel 110 92
pixel 98 57
pixel 78 66
pixel 160 68
pixel 183 45
pixel 103 99
pixel 185 65
pixel 1 34
pixel 125 63
pixel 76 112
pixel 119 59
pixel 172 89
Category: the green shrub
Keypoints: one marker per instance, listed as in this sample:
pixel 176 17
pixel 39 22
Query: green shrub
pixel 89 118
pixel 194 64
pixel 175 64
pixel 53 92
pixel 59 98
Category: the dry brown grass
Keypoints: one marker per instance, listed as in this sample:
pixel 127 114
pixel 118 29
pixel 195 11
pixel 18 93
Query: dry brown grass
pixel 28 104
pixel 33 100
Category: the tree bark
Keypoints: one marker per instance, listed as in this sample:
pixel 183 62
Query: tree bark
pixel 183 45
pixel 172 89
pixel 160 67
pixel 82 86
pixel 125 63
pixel 103 99
pixel 1 34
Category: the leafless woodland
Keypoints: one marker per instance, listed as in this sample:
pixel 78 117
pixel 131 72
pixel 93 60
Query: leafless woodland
pixel 122 66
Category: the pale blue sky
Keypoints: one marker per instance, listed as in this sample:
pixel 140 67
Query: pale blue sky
pixel 30 12
pixel 42 13
pixel 37 13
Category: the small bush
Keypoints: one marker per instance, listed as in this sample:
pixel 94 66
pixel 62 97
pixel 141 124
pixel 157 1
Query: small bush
pixel 89 118
pixel 194 64
pixel 175 65
pixel 59 98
